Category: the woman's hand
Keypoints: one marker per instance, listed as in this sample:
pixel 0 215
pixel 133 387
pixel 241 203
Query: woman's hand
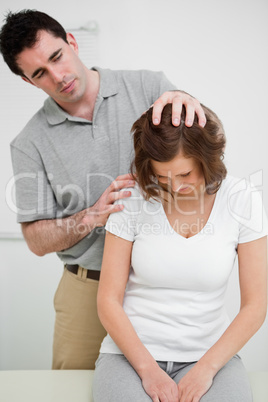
pixel 194 385
pixel 159 386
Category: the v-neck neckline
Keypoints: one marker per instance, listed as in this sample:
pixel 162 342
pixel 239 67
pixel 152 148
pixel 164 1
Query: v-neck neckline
pixel 205 227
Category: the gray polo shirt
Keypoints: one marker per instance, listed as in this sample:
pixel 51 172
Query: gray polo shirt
pixel 62 164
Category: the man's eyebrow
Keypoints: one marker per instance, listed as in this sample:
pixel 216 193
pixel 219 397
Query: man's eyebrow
pixel 54 54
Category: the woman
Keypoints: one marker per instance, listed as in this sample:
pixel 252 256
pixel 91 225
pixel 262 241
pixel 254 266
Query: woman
pixel 167 259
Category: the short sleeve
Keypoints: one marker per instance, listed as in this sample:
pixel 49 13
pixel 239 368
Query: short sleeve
pixel 156 83
pixel 124 223
pixel 34 196
pixel 246 207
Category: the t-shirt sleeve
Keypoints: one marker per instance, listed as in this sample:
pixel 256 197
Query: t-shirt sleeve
pixel 124 223
pixel 156 83
pixel 252 217
pixel 34 197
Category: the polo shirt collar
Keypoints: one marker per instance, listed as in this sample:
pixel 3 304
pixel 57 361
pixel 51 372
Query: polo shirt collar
pixel 108 82
pixel 54 113
pixel 108 87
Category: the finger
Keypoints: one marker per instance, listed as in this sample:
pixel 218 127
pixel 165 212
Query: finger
pixel 122 194
pixel 154 397
pixel 118 195
pixel 185 396
pixel 107 210
pixel 176 111
pixel 192 397
pixel 181 394
pixel 162 397
pixel 201 115
pixel 193 107
pixel 114 208
pixel 158 108
pixel 175 393
pixel 119 184
pixel 190 113
pixel 127 176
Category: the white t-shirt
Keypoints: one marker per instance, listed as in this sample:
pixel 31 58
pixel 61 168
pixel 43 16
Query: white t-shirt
pixel 175 292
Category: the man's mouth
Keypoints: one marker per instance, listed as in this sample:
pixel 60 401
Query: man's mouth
pixel 68 87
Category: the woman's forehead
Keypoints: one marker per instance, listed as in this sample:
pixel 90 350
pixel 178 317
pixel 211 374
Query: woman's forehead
pixel 178 165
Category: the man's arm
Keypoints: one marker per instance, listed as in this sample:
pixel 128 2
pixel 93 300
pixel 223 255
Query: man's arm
pixel 178 99
pixel 46 236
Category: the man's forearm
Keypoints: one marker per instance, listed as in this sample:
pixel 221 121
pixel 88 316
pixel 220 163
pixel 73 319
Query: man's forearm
pixel 52 235
pixel 47 236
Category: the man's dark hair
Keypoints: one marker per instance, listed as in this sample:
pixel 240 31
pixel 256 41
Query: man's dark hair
pixel 20 31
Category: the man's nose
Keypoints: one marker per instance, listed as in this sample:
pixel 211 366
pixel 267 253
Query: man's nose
pixel 56 75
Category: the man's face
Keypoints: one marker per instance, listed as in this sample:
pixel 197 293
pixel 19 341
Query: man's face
pixel 54 66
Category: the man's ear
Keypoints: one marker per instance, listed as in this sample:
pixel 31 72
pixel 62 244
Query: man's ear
pixel 27 80
pixel 72 42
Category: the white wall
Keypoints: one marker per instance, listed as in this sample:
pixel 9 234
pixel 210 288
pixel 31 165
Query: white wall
pixel 215 50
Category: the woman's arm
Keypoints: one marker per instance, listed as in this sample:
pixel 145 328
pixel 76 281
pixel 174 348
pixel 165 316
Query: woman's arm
pixel 113 280
pixel 252 260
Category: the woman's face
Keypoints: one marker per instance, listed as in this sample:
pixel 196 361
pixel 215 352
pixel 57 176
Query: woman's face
pixel 181 175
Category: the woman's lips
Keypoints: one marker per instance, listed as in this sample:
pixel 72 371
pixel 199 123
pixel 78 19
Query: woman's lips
pixel 183 188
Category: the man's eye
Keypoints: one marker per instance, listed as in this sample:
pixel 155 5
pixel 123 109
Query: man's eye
pixel 58 57
pixel 40 74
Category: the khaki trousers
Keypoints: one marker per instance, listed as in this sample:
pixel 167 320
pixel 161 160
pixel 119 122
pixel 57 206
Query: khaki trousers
pixel 78 332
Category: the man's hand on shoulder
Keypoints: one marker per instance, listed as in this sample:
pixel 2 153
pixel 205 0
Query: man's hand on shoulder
pixel 47 236
pixel 100 211
pixel 178 99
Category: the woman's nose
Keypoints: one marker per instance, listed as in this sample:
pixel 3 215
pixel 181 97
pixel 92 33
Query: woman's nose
pixel 176 184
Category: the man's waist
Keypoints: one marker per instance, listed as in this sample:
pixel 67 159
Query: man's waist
pixel 91 273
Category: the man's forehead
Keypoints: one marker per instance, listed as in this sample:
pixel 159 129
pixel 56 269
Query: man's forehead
pixel 31 59
pixel 45 46
pixel 48 38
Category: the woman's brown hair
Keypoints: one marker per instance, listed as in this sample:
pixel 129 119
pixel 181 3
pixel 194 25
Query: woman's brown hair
pixel 163 142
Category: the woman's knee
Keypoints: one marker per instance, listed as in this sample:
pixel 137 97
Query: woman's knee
pixel 231 384
pixel 115 380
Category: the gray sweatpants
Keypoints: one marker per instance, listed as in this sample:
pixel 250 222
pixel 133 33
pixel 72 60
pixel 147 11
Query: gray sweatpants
pixel 116 381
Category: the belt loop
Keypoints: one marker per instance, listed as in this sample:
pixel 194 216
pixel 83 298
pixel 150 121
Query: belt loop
pixel 82 273
pixel 169 367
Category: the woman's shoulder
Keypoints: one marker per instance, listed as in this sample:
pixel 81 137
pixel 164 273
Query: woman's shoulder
pixel 236 187
pixel 136 203
pixel 238 194
pixel 230 181
pixel 243 200
pixel 135 197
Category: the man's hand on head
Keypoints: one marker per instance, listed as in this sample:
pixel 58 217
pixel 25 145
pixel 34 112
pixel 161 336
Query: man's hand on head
pixel 178 99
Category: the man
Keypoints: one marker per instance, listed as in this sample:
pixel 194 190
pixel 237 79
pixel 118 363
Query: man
pixel 71 161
